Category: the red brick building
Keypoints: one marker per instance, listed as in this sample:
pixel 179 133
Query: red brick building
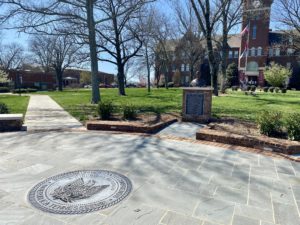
pixel 47 81
pixel 264 45
pixel 31 79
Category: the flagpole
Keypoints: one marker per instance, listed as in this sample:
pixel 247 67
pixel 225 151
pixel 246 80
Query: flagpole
pixel 248 39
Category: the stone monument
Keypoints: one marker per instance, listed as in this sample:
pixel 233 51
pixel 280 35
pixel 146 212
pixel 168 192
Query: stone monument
pixel 197 104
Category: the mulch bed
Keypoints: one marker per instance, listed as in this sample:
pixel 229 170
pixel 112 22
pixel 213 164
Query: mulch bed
pixel 246 134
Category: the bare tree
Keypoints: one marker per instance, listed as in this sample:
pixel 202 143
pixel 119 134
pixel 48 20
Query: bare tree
pixel 165 43
pixel 190 46
pixel 75 17
pixel 291 15
pixel 148 27
pixel 129 71
pixel 208 13
pixel 231 16
pixel 42 48
pixel 56 53
pixel 11 56
pixel 291 19
pixel 191 51
pixel 3 77
pixel 120 36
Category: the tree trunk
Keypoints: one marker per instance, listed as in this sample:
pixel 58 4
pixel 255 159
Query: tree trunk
pixel 212 64
pixel 192 73
pixel 148 70
pixel 223 68
pixel 224 53
pixel 59 77
pixel 125 81
pixel 166 80
pixel 215 81
pixel 121 79
pixel 93 51
pixel 157 76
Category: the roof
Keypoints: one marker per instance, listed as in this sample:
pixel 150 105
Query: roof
pixel 234 41
pixel 74 72
pixel 170 45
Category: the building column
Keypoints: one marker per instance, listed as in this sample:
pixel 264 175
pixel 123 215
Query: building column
pixel 241 75
pixel 261 78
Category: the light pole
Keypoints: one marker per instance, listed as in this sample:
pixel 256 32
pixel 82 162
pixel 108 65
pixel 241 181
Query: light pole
pixel 20 81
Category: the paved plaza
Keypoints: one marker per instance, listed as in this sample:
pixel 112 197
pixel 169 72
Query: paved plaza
pixel 187 130
pixel 173 182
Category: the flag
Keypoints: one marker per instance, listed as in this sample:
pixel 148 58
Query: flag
pixel 245 31
pixel 245 53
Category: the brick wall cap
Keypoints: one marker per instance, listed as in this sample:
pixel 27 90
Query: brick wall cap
pixel 197 89
pixel 116 123
pixel 284 146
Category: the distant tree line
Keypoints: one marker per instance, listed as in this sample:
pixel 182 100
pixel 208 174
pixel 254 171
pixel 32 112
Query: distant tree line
pixel 134 35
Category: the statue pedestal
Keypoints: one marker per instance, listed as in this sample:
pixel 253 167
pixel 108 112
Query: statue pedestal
pixel 197 104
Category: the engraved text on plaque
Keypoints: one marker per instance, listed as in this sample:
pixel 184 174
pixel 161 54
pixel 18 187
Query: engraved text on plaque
pixel 194 104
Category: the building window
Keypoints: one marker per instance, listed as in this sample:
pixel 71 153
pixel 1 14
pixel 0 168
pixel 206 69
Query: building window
pixel 187 68
pixel 182 67
pixel 277 52
pixel 187 79
pixel 259 51
pixel 173 67
pixel 271 52
pixel 173 56
pixel 252 66
pixel 252 51
pixel 236 54
pixel 290 51
pixel 254 32
pixel 230 55
pixel 256 17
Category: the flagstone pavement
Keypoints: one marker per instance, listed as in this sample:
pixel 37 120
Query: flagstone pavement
pixel 174 182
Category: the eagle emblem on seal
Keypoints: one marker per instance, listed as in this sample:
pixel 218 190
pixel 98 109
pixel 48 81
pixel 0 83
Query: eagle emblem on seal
pixel 76 190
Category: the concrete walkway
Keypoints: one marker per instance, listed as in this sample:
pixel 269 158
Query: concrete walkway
pixel 43 113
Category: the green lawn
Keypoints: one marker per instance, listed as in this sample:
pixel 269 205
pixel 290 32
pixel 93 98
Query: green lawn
pixel 239 105
pixel 234 104
pixel 77 102
pixel 15 104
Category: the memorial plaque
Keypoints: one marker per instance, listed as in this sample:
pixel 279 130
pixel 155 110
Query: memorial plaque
pixel 80 192
pixel 194 104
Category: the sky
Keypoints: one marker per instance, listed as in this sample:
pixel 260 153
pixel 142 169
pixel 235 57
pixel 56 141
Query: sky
pixel 8 36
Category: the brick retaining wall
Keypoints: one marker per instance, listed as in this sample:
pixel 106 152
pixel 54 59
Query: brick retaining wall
pixel 127 126
pixel 264 143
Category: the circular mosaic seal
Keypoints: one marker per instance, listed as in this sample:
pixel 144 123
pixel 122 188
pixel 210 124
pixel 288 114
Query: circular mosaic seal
pixel 80 192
